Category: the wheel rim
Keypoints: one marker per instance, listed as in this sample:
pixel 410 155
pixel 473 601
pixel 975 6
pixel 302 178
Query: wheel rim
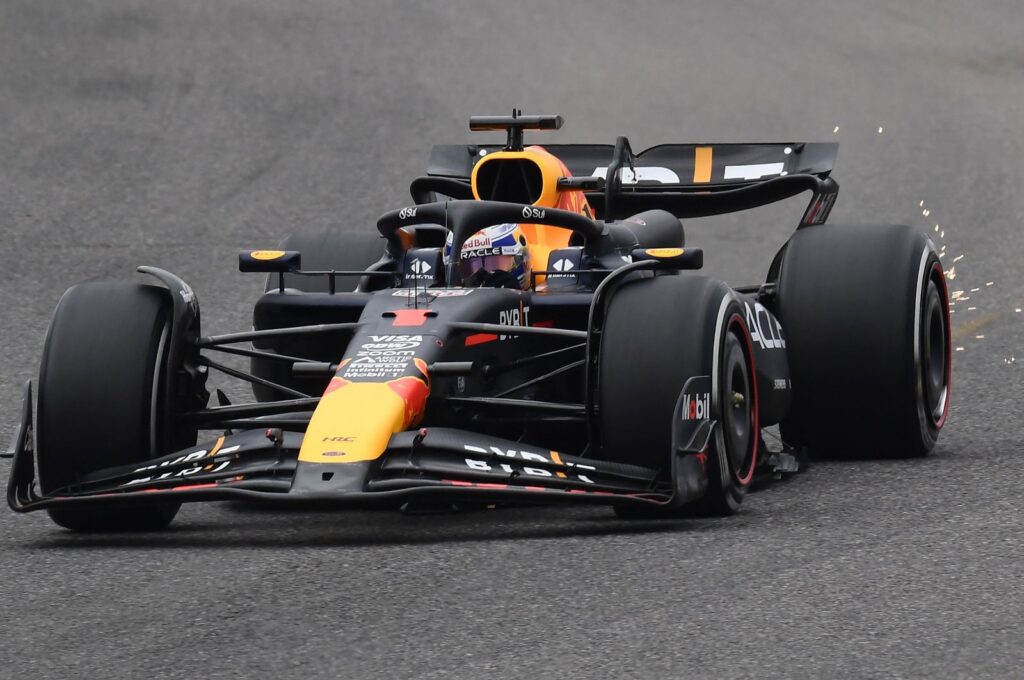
pixel 934 354
pixel 737 407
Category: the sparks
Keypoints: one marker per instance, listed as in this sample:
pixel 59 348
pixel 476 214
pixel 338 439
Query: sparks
pixel 958 258
pixel 835 129
pixel 880 130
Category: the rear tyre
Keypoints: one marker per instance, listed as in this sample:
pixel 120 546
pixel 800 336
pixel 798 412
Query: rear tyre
pixel 658 333
pixel 100 396
pixel 328 250
pixel 866 318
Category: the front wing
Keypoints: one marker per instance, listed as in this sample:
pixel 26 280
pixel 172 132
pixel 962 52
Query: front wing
pixel 428 465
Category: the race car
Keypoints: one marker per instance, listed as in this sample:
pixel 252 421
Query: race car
pixel 533 329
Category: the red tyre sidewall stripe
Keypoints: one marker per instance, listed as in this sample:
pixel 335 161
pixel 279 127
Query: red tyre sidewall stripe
pixel 756 431
pixel 944 292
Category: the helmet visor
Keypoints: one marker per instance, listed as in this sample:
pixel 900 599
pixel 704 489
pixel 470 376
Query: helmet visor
pixel 492 263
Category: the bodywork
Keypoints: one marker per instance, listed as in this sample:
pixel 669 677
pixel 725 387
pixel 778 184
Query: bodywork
pixel 418 389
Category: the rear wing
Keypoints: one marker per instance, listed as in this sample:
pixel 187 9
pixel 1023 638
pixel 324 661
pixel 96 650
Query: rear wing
pixel 687 180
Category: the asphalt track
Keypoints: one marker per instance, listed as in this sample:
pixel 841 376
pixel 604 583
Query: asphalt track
pixel 176 133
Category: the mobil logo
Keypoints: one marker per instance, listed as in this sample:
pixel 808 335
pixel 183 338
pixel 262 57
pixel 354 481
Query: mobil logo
pixel 696 406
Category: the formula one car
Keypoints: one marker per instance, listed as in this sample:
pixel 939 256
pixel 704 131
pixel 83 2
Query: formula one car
pixel 530 330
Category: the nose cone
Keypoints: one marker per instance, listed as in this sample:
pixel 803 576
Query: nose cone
pixel 355 420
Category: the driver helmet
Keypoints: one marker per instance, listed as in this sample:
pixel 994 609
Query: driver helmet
pixel 496 257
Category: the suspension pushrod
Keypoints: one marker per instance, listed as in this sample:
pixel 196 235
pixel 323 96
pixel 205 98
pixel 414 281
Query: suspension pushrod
pixel 551 374
pixel 249 377
pixel 501 329
pixel 219 413
pixel 230 338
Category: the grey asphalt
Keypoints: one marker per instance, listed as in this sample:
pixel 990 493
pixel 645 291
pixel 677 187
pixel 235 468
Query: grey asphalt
pixel 176 133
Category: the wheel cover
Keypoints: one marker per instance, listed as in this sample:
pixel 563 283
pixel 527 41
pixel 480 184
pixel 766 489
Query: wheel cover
pixel 934 354
pixel 738 405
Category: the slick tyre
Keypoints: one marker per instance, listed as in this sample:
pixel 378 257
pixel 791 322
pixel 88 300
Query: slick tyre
pixel 658 333
pixel 100 404
pixel 328 250
pixel 865 313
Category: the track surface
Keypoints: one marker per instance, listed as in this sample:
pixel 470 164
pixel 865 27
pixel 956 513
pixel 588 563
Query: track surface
pixel 176 133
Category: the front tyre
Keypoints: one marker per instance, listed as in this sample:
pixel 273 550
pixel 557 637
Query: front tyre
pixel 658 333
pixel 101 400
